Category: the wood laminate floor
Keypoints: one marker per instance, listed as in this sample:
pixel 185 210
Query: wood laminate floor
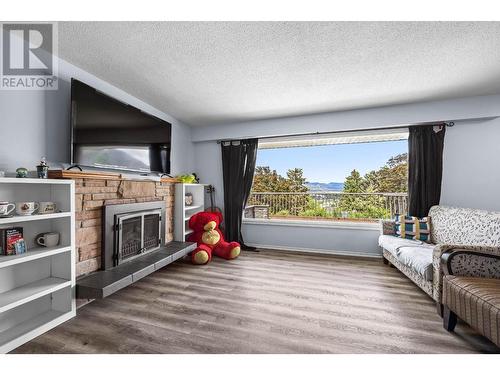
pixel 267 302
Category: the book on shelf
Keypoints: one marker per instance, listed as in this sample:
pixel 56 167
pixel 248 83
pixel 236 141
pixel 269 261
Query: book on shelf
pixel 2 241
pixel 12 241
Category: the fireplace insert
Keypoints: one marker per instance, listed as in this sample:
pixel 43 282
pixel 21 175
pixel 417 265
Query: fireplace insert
pixel 137 233
pixel 130 231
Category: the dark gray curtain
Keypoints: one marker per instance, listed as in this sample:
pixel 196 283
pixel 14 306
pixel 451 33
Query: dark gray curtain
pixel 238 166
pixel 425 168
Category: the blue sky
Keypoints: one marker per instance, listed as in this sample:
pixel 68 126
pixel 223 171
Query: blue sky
pixel 331 163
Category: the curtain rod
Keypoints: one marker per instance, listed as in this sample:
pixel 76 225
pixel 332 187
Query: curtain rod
pixel 446 123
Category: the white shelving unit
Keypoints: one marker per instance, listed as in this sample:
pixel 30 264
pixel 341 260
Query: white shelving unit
pixel 183 213
pixel 37 289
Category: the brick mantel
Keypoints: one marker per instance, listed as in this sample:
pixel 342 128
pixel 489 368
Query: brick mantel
pixel 92 193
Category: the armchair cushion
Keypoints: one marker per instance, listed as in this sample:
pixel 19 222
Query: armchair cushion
pixel 476 301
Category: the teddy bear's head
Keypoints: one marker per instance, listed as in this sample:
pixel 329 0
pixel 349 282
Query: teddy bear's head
pixel 205 221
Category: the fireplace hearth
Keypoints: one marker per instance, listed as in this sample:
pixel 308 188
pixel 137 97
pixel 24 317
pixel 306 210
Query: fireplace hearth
pixel 133 246
pixel 131 231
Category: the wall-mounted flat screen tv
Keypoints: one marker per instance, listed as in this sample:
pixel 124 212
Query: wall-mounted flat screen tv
pixel 110 134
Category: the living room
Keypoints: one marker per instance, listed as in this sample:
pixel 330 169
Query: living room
pixel 271 187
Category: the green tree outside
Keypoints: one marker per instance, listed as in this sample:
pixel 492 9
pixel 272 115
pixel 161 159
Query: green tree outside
pixel 390 178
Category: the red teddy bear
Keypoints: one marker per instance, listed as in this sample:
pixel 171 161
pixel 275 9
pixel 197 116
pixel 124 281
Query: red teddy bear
pixel 207 235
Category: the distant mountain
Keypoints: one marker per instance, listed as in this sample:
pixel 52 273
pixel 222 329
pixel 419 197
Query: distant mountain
pixel 333 186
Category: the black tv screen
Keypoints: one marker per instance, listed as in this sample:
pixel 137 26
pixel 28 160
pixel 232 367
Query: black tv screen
pixel 107 133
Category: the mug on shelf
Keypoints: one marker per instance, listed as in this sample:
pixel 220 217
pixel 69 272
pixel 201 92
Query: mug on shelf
pixel 49 239
pixel 26 208
pixel 47 208
pixel 6 208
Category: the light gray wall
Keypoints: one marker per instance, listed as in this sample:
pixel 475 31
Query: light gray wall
pixel 339 240
pixel 471 156
pixel 471 165
pixel 453 109
pixel 36 123
pixel 208 167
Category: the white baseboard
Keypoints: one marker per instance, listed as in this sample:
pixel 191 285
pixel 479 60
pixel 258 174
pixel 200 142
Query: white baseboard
pixel 317 251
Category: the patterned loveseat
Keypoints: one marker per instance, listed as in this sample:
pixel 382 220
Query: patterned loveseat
pixel 451 228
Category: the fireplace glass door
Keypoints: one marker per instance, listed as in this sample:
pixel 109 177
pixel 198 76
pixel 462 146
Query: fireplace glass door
pixel 137 234
pixel 151 231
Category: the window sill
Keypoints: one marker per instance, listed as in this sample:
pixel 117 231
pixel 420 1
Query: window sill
pixel 314 224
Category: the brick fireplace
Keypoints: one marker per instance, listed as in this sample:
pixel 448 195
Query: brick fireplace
pixel 93 193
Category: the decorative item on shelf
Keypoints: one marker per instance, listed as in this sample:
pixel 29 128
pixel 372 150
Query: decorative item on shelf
pixel 20 246
pixel 6 208
pixel 187 178
pixel 26 208
pixel 188 199
pixel 2 174
pixel 48 239
pixel 12 241
pixel 42 169
pixel 196 178
pixel 47 208
pixel 21 172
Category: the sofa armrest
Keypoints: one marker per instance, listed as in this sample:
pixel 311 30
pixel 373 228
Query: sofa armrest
pixel 471 263
pixel 439 270
pixel 387 227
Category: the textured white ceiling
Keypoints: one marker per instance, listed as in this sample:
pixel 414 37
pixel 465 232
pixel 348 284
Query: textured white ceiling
pixel 218 72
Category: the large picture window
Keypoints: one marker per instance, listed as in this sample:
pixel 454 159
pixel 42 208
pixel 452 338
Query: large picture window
pixel 359 176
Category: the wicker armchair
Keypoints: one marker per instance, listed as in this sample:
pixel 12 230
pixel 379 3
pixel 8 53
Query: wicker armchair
pixel 471 290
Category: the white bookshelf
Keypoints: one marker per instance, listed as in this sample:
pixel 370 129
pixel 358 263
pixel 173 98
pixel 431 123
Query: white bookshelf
pixel 29 292
pixel 37 289
pixel 183 213
pixel 23 219
pixel 33 254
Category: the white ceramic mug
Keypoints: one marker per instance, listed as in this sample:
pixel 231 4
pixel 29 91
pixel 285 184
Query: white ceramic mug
pixel 47 208
pixel 26 208
pixel 6 208
pixel 49 239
